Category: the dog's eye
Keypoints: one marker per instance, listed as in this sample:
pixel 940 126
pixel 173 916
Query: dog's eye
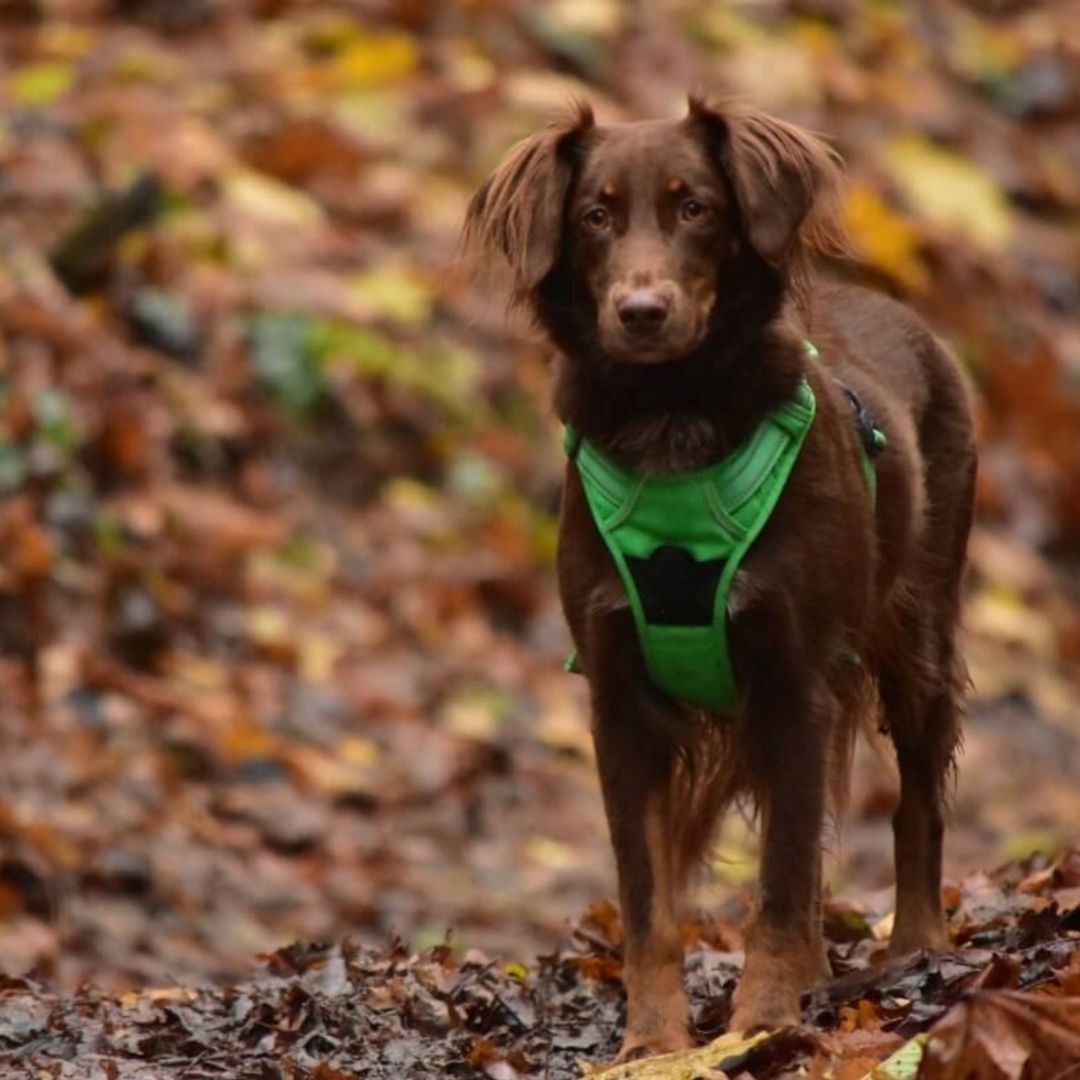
pixel 596 219
pixel 693 210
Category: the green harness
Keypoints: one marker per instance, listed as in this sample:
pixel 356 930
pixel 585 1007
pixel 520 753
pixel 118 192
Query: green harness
pixel 678 540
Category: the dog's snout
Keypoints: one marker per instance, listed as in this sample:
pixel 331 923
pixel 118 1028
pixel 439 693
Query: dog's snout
pixel 643 311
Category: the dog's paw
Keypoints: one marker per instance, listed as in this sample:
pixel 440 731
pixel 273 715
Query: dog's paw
pixel 765 1012
pixel 768 994
pixel 917 932
pixel 637 1046
pixel 927 940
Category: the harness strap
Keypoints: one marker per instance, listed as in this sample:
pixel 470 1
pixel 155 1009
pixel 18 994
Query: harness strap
pixel 677 540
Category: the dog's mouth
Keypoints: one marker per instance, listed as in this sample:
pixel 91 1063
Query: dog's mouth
pixel 675 340
pixel 635 352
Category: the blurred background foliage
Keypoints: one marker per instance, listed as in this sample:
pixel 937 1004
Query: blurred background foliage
pixel 279 648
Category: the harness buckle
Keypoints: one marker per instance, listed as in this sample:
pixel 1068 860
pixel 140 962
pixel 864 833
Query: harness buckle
pixel 873 439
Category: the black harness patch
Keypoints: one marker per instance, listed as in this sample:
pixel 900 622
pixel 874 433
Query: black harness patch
pixel 675 588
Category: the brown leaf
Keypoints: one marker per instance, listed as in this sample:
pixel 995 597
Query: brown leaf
pixel 597 967
pixel 865 1016
pixel 304 148
pixel 1002 974
pixel 863 1043
pixel 856 1068
pixel 1069 976
pixel 602 921
pixel 1005 1035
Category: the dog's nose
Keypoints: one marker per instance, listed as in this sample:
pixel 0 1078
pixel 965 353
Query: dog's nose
pixel 642 311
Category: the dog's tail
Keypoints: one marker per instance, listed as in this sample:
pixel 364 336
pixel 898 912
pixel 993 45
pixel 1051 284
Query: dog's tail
pixel 709 775
pixel 859 713
pixel 712 770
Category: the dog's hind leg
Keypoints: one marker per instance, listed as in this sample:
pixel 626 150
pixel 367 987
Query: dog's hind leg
pixel 922 696
pixel 922 691
pixel 918 826
pixel 924 678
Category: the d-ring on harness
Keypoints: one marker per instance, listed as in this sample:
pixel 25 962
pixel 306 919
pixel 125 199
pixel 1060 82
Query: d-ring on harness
pixel 678 539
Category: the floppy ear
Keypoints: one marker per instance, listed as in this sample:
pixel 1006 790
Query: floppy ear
pixel 785 180
pixel 517 213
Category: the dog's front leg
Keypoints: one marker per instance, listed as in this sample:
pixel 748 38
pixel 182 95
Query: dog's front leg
pixel 788 722
pixel 634 775
pixel 636 758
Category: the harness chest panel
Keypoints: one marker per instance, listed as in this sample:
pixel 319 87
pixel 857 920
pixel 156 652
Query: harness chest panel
pixel 678 539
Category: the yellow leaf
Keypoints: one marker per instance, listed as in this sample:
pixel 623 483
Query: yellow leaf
pixel 269 626
pixel 885 238
pixel 564 725
pixel 269 200
pixel 183 995
pixel 904 1064
pixel 549 853
pixel 595 17
pixel 142 62
pixel 471 718
pixel 883 928
pixel 1024 842
pixel 41 84
pixel 197 673
pixel 950 190
pixel 734 855
pixel 468 68
pixel 705 1062
pixel 982 50
pixel 357 752
pixel 725 28
pixel 418 505
pixel 999 613
pixel 248 742
pixel 394 292
pixel 374 115
pixel 369 60
pixel 319 654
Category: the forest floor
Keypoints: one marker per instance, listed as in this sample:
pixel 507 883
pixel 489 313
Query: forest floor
pixel 1006 999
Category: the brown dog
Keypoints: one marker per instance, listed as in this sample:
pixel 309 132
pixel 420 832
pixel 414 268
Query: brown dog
pixel 670 263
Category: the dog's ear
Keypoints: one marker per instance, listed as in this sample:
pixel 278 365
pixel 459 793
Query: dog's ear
pixel 517 213
pixel 786 181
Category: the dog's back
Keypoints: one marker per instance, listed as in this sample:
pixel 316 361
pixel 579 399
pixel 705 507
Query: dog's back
pixel 914 386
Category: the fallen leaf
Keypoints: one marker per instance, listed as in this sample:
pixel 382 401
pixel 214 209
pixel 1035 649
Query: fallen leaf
pixel 886 239
pixel 950 190
pixel 1005 1035
pixel 41 84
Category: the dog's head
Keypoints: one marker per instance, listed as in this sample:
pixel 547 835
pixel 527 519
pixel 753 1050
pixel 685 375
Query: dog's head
pixel 653 225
